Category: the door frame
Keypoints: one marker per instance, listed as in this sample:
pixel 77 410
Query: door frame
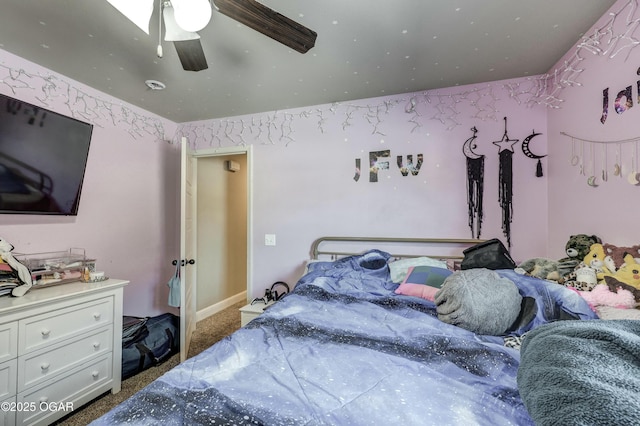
pixel 248 151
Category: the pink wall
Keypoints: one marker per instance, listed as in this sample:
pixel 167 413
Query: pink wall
pixel 304 163
pixel 610 210
pixel 303 171
pixel 128 216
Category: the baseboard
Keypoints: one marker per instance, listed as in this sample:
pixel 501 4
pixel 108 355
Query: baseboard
pixel 220 306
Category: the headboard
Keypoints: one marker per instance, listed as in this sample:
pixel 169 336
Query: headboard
pixel 441 248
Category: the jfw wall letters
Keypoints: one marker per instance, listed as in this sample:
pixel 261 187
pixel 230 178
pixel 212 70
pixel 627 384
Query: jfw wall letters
pixel 379 160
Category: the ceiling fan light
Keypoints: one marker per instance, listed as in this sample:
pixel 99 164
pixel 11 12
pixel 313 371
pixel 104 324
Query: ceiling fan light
pixel 172 32
pixel 192 15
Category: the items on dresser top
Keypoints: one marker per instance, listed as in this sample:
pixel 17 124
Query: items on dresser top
pixel 23 277
pixel 50 268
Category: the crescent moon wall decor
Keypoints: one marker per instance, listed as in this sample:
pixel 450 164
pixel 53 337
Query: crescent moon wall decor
pixel 505 181
pixel 475 184
pixel 525 149
pixel 622 152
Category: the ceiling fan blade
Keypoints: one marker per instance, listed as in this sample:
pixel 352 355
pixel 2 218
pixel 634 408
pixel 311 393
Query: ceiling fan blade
pixel 269 22
pixel 191 55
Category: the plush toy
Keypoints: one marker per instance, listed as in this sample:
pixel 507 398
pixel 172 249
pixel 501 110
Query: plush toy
pixel 615 285
pixel 23 273
pixel 602 295
pixel 614 256
pixel 576 249
pixel 541 267
pixel 628 273
pixel 595 259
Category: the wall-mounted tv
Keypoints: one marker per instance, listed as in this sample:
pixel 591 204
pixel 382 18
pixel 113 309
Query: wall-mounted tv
pixel 43 156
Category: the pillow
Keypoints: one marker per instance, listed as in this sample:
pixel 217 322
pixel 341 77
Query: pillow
pixel 479 300
pixel 400 268
pixel 423 281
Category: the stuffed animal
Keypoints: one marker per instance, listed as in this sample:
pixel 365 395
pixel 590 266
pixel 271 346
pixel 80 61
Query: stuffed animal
pixel 614 256
pixel 541 267
pixel 576 249
pixel 595 259
pixel 602 295
pixel 615 285
pixel 23 272
pixel 628 273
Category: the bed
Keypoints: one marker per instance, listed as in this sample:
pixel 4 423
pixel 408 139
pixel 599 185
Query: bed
pixel 343 347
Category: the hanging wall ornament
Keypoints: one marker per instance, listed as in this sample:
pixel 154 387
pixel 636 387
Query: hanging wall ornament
pixel 475 184
pixel 505 182
pixel 592 180
pixel 528 153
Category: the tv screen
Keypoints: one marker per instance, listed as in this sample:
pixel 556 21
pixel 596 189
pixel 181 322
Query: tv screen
pixel 43 156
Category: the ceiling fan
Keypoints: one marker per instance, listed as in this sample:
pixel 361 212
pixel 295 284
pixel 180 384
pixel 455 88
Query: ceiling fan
pixel 182 31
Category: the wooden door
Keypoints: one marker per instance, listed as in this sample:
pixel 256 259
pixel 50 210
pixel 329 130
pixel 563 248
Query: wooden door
pixel 188 189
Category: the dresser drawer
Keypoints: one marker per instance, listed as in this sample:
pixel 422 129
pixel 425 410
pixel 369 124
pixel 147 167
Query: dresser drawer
pixel 62 390
pixel 8 418
pixel 51 327
pixel 41 365
pixel 8 341
pixel 8 371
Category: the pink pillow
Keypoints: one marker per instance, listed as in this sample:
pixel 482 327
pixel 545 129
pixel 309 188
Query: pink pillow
pixel 423 281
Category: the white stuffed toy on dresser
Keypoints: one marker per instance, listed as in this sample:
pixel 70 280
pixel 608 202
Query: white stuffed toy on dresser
pixel 23 272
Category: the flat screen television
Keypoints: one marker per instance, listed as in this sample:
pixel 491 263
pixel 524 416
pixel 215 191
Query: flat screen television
pixel 43 156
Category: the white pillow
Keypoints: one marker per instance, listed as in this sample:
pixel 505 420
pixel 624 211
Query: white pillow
pixel 399 268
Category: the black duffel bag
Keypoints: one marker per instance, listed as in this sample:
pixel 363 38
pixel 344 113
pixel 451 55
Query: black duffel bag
pixel 154 340
pixel 491 254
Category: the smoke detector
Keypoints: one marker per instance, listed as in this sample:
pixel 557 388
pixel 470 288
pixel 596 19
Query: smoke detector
pixel 155 85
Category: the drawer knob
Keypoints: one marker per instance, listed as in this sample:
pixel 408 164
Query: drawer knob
pixel 95 374
pixel 96 315
pixel 96 345
pixel 44 366
pixel 45 332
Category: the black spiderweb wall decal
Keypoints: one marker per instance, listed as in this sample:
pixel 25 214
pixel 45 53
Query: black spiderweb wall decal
pixel 505 181
pixel 475 184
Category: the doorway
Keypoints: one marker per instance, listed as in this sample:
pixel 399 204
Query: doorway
pixel 222 228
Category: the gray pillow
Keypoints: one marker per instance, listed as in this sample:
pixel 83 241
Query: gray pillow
pixel 478 300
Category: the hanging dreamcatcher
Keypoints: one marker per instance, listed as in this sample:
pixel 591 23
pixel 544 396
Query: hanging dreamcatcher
pixel 528 153
pixel 475 184
pixel 505 182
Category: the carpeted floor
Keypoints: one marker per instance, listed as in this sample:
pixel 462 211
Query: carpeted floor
pixel 208 331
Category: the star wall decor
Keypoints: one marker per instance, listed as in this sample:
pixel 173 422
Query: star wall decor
pixel 505 181
pixel 506 144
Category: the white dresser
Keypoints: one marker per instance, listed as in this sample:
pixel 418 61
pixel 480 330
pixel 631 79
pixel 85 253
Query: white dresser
pixel 60 347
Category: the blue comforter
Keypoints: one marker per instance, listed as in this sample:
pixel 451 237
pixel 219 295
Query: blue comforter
pixel 341 349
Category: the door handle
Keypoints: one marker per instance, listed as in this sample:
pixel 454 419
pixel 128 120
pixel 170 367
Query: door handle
pixel 183 262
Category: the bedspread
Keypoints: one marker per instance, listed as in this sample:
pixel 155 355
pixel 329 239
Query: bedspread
pixel 341 348
pixel 582 373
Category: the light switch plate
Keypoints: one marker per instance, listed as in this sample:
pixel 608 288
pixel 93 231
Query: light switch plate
pixel 269 239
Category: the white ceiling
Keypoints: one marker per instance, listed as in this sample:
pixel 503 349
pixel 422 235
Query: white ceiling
pixel 364 49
